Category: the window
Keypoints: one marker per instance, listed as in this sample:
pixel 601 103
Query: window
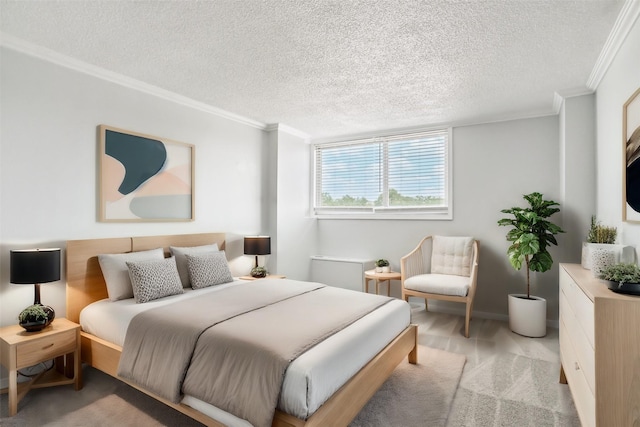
pixel 395 176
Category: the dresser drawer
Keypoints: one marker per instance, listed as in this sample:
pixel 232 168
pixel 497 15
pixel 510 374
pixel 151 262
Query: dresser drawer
pixel 583 397
pixel 581 305
pixel 47 347
pixel 584 352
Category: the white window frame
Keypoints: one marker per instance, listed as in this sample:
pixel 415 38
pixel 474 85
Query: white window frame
pixel 385 212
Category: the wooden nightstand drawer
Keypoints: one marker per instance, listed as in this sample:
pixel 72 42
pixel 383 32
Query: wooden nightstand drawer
pixel 31 352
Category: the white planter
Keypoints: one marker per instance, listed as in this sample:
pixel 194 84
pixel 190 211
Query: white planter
pixel 528 317
pixel 623 253
pixel 386 269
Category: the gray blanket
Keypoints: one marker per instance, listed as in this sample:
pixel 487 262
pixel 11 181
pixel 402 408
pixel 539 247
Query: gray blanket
pixel 231 348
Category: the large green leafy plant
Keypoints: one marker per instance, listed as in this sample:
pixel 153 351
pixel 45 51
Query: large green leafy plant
pixel 531 234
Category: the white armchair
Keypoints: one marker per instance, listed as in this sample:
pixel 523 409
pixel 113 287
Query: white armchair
pixel 442 268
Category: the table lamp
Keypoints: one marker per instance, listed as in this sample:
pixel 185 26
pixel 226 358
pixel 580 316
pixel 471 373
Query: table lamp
pixel 33 267
pixel 257 245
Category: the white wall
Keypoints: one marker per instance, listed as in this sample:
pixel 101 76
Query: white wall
pixel 296 231
pixel 48 174
pixel 577 177
pixel 621 80
pixel 493 166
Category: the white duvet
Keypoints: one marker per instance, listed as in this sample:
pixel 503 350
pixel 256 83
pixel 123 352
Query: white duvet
pixel 310 379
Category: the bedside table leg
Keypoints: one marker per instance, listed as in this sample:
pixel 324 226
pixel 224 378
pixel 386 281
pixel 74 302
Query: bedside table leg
pixel 13 388
pixel 77 370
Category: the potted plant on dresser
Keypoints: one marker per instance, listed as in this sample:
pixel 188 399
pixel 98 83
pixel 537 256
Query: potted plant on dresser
pixel 600 249
pixel 599 237
pixel 530 235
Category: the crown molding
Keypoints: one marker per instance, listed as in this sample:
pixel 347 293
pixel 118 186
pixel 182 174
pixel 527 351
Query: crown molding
pixel 287 129
pixel 426 128
pixel 43 53
pixel 560 96
pixel 623 25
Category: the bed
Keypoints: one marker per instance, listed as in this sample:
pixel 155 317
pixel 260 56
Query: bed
pixel 86 287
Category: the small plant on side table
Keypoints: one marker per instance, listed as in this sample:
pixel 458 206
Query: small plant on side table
pixel 382 266
pixel 259 272
pixel 33 318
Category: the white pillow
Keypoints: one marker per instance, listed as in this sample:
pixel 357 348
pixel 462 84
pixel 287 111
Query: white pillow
pixel 208 269
pixel 181 260
pixel 116 273
pixel 154 279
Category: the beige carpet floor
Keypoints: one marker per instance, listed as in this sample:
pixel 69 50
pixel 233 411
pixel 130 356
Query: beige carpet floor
pixel 415 395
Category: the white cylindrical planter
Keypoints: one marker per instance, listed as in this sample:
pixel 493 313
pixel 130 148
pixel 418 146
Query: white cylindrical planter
pixel 528 317
pixel 624 254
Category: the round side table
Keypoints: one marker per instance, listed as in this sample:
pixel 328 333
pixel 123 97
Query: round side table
pixel 380 277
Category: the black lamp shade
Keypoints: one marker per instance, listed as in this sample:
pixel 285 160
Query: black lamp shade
pixel 257 245
pixel 32 266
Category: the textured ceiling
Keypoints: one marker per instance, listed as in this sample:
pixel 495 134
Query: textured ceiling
pixel 337 67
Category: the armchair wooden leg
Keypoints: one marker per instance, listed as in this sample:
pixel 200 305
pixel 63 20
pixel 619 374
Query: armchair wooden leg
pixel 467 319
pixel 426 305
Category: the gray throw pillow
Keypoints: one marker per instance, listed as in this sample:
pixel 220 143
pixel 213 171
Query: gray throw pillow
pixel 154 279
pixel 181 259
pixel 208 269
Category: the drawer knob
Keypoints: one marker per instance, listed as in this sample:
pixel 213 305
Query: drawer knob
pixel 47 346
pixel 576 366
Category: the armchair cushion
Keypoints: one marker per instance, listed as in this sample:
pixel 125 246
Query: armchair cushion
pixel 443 284
pixel 452 255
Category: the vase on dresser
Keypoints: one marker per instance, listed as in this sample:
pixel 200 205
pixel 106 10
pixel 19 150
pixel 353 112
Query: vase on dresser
pixel 622 253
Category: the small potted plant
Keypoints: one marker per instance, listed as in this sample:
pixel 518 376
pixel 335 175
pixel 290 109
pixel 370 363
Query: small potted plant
pixel 259 272
pixel 382 266
pixel 600 239
pixel 530 235
pixel 33 318
pixel 622 278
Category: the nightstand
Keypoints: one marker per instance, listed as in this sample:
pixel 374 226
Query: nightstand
pixel 20 349
pixel 269 276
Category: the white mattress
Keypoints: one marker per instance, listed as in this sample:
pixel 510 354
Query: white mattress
pixel 310 379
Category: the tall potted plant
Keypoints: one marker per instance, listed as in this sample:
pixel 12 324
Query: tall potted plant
pixel 530 235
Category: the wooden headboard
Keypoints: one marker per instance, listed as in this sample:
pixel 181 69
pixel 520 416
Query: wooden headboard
pixel 85 283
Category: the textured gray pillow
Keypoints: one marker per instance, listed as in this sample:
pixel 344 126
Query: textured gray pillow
pixel 208 269
pixel 116 273
pixel 181 259
pixel 154 279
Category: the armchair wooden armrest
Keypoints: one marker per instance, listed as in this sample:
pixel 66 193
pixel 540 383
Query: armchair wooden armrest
pixel 412 264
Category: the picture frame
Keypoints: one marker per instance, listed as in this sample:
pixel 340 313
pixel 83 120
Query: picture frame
pixel 144 178
pixel 631 158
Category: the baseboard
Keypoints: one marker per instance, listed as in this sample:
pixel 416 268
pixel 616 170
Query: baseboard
pixel 440 308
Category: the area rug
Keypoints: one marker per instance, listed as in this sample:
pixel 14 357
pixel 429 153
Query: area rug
pixel 414 395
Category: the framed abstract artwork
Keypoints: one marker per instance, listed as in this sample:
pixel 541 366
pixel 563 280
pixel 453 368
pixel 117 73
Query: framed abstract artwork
pixel 144 178
pixel 631 167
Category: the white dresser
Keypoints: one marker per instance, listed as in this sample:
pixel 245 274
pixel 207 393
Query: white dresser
pixel 599 349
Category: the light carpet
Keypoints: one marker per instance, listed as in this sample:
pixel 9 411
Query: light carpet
pixel 414 395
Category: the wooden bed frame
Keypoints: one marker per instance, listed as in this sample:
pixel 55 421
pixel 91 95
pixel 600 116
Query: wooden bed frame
pixel 85 284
